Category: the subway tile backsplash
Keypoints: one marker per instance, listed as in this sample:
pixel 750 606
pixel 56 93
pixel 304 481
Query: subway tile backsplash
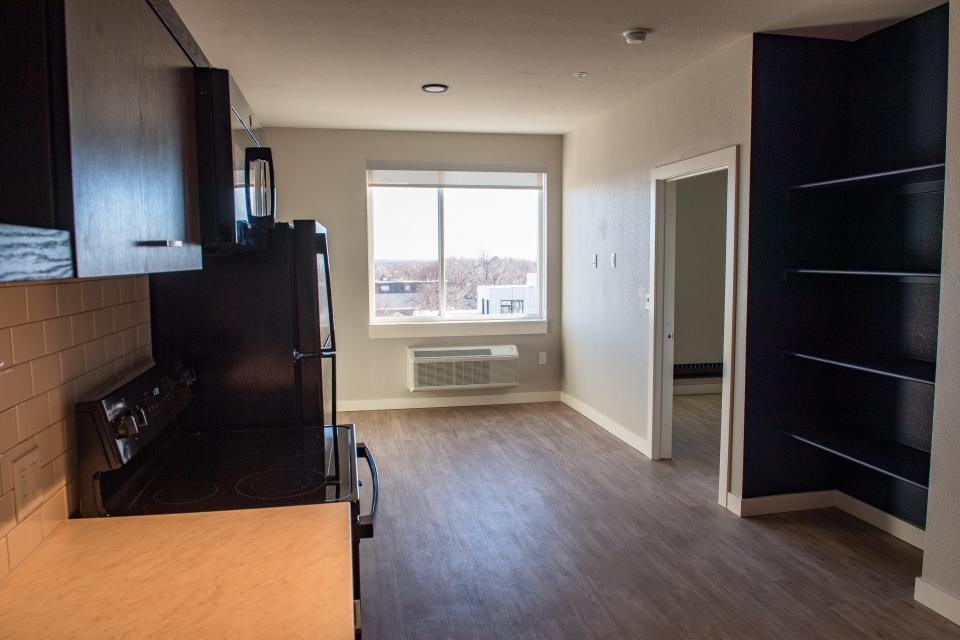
pixel 59 342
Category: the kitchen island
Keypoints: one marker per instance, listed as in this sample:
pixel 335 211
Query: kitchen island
pixel 250 573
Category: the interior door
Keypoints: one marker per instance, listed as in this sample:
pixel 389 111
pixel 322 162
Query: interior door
pixel 669 299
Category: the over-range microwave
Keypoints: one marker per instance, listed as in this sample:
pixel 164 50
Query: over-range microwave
pixel 238 193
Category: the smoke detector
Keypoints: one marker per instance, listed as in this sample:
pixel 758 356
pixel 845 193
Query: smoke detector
pixel 637 35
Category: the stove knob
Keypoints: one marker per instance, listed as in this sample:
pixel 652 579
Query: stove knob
pixel 187 377
pixel 129 423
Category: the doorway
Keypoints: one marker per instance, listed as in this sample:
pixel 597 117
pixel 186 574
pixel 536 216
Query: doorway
pixel 679 335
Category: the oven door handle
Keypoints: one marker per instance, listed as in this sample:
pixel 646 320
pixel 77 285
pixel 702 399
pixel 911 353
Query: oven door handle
pixel 365 522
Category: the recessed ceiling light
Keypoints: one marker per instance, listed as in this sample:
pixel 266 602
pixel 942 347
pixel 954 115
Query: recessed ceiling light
pixel 636 35
pixel 434 87
pixel 580 75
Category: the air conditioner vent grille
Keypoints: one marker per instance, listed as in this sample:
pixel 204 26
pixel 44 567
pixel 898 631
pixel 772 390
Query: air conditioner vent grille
pixel 451 353
pixel 463 367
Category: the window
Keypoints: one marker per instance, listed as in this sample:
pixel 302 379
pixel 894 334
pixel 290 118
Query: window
pixel 511 306
pixel 455 245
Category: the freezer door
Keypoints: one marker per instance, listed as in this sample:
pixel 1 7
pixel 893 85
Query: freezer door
pixel 314 330
pixel 324 295
pixel 328 387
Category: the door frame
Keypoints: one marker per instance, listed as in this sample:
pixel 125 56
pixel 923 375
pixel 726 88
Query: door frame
pixel 662 264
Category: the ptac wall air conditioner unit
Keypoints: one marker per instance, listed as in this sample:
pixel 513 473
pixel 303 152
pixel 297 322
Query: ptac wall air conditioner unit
pixel 462 367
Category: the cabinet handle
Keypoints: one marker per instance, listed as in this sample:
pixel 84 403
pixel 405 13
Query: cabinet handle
pixel 160 243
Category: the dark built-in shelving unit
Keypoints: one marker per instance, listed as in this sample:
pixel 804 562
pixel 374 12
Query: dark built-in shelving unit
pixel 907 180
pixel 881 364
pixel 841 301
pixel 891 459
pixel 904 277
pixel 847 178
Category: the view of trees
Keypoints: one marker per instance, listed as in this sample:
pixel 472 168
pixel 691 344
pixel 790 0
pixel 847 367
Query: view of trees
pixel 463 276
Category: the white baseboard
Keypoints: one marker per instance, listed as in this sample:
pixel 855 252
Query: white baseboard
pixel 425 402
pixel 695 389
pixel 734 504
pixel 911 534
pixel 783 503
pixel 935 598
pixel 633 439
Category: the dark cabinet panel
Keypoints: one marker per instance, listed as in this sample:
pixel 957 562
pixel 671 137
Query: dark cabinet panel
pixel 104 80
pixel 26 164
pixel 132 141
pixel 113 156
pixel 169 181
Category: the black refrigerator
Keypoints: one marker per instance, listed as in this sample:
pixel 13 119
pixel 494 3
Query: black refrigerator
pixel 257 327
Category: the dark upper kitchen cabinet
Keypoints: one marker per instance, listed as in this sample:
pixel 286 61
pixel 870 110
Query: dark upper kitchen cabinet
pixel 100 134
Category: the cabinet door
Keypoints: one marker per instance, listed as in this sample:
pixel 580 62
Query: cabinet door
pixel 132 141
pixel 103 84
pixel 170 195
pixel 27 163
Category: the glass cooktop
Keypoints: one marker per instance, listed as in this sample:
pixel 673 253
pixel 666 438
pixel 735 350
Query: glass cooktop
pixel 243 469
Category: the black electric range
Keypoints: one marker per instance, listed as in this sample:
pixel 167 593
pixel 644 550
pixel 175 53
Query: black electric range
pixel 144 449
pixel 239 469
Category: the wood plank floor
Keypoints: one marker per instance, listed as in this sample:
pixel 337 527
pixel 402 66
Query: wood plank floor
pixel 529 521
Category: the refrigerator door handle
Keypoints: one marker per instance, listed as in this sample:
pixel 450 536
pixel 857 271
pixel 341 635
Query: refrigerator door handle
pixel 303 355
pixel 365 522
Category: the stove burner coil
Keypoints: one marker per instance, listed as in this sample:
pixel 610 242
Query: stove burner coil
pixel 278 484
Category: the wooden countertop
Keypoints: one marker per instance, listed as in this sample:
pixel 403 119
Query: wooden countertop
pixel 256 573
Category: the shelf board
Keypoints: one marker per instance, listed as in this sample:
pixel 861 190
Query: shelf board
pixel 907 277
pixel 929 173
pixel 887 457
pixel 920 371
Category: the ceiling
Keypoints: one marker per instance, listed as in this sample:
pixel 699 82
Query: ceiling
pixel 510 64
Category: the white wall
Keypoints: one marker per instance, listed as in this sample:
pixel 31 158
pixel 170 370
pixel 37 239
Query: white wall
pixel 607 164
pixel 941 559
pixel 321 174
pixel 701 243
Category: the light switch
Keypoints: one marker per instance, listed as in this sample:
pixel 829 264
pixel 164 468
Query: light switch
pixel 596 261
pixel 28 492
pixel 613 260
pixel 542 357
pixel 646 302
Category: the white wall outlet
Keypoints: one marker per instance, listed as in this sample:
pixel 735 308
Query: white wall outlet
pixel 613 260
pixel 28 492
pixel 596 261
pixel 542 357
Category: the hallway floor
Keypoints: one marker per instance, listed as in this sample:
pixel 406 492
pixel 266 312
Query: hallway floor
pixel 529 521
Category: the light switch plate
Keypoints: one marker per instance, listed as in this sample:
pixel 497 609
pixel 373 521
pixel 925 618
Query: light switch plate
pixel 596 261
pixel 646 302
pixel 28 492
pixel 613 260
pixel 542 357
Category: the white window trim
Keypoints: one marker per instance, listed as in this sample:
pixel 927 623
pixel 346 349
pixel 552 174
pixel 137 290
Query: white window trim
pixel 451 328
pixel 441 327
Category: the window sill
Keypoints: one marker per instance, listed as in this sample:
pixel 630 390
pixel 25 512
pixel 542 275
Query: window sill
pixel 457 328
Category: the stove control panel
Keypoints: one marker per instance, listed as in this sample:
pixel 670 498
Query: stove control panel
pixel 127 418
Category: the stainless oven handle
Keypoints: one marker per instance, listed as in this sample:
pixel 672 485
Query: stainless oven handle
pixel 365 522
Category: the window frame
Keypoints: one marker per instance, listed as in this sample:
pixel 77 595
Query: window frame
pixel 441 324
